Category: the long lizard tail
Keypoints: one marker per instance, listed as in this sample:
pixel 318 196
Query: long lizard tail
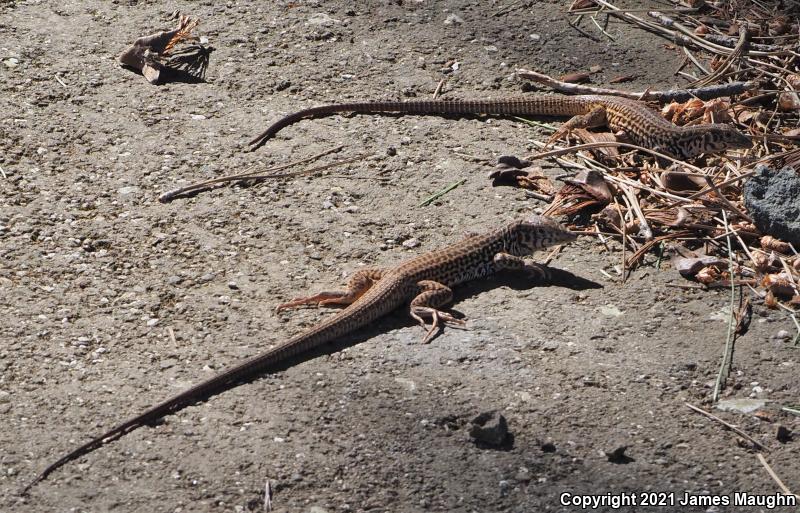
pixel 247 369
pixel 541 105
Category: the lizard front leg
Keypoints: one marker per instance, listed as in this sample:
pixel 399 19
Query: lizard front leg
pixel 432 295
pixel 515 263
pixel 358 284
pixel 593 119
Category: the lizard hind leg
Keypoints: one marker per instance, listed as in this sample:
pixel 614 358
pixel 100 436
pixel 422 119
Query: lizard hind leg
pixel 592 119
pixel 358 284
pixel 432 295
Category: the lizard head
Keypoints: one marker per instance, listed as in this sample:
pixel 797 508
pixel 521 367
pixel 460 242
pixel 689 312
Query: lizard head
pixel 535 232
pixel 713 139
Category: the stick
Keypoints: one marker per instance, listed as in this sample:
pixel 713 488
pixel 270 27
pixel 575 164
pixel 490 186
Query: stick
pixel 727 353
pixel 774 476
pixel 441 193
pixel 727 425
pixel 170 195
pixel 675 95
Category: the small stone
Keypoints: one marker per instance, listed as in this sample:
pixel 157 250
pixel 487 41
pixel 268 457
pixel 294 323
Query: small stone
pixel 523 475
pixel 152 322
pixel 232 285
pixel 327 205
pixel 391 151
pixel 322 20
pixel 205 278
pixel 534 37
pixel 174 279
pixel 490 48
pixel 547 446
pixel 550 345
pixel 784 434
pixel 4 396
pixel 453 19
pixel 131 189
pixel 490 428
pixel 740 405
pixel 411 243
pixel 617 455
pixel 783 336
pixel 198 117
pixel 11 62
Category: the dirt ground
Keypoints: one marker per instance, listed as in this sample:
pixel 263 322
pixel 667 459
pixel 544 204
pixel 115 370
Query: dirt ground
pixel 111 301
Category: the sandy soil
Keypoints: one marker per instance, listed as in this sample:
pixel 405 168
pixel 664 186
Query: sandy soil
pixel 96 274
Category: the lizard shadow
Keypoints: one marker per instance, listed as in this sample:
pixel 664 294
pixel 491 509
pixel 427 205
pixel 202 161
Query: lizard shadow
pixel 400 319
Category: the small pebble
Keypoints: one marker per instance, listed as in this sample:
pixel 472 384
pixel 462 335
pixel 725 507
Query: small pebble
pixel 411 243
pixel 453 19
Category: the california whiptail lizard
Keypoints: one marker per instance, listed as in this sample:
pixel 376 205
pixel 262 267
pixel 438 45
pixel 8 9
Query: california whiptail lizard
pixel 643 126
pixel 425 281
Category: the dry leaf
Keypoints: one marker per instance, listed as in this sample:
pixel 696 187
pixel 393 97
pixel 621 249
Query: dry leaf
pixel 701 30
pixel 622 78
pixel 593 183
pixel 779 285
pixel 788 102
pixel 708 275
pixel 692 266
pixel 576 78
pixel 582 4
pixel 770 242
pixel 595 68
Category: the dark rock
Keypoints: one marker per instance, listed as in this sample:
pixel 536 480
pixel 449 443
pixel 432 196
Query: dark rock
pixel 490 428
pixel 772 198
pixel 784 435
pixel 618 455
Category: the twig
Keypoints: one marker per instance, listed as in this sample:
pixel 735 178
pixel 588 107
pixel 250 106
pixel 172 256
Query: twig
pixel 441 193
pixel 3 173
pixel 774 476
pixel 438 89
pixel 602 144
pixel 601 29
pixel 676 95
pixel 247 175
pixel 267 496
pixel 727 354
pixel 60 81
pixel 727 425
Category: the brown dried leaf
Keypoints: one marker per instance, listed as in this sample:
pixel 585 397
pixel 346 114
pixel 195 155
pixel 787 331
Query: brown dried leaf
pixel 593 183
pixel 794 132
pixel 582 4
pixel 779 285
pixel 708 275
pixel 764 262
pixel 606 154
pixel 680 183
pixel 576 78
pixel 622 78
pixel 788 102
pixel 701 30
pixel 771 243
pixel 692 266
pixel 717 111
pixel 770 301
